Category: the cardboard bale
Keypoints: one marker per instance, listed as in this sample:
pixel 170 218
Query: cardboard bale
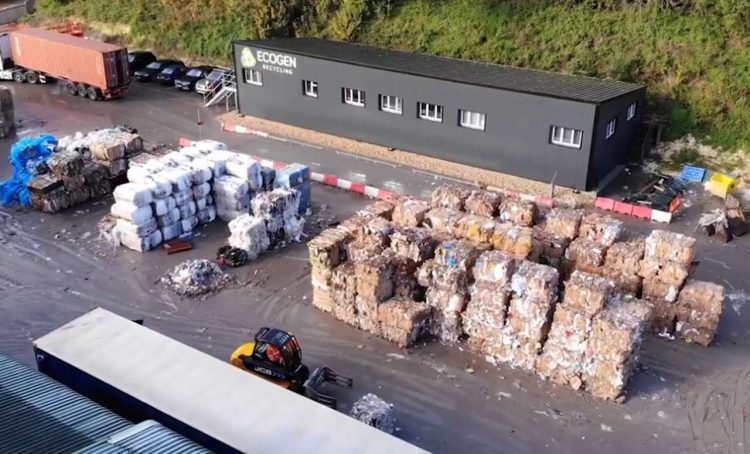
pixel 560 366
pixel 73 182
pixel 65 163
pixel 534 280
pixel 483 203
pixel 79 195
pixel 327 249
pixel 95 176
pixel 114 168
pixel 344 283
pixel 671 273
pixel 381 208
pixel 484 316
pixel 409 212
pixel 516 240
pixel 624 283
pixel 374 278
pixel 664 318
pixel 625 257
pixel 529 317
pixel 449 196
pixel 587 293
pixel 563 222
pixel 549 248
pixel 322 276
pixel 459 254
pixel 607 380
pixel 107 151
pixel 364 248
pixel 43 184
pixel 404 321
pixel 519 212
pixel 699 308
pixel 442 220
pixel 570 328
pixel 600 229
pixel 353 227
pixel 367 314
pixel 658 290
pixel 495 267
pixel 379 228
pixel 478 229
pixel 51 202
pixel 618 330
pixel 322 299
pixel 585 255
pixel 705 297
pixel 405 283
pixel 519 352
pixel 667 246
pixel 446 326
pixel 446 301
pixel 414 243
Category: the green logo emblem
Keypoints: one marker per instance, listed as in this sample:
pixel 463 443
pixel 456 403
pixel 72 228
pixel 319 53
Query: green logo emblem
pixel 247 58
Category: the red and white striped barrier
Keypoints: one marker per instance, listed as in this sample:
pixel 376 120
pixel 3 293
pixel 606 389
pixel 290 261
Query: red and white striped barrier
pixel 632 210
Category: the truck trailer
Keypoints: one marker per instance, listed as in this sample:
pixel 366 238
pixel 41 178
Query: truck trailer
pixel 88 68
pixel 142 374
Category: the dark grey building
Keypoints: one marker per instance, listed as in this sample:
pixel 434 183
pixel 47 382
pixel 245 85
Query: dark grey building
pixel 534 124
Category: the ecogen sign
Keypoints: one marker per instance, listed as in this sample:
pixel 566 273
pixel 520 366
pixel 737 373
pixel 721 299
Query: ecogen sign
pixel 270 61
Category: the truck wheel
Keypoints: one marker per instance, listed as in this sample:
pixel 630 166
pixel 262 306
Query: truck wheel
pixel 18 77
pixel 92 93
pixel 82 90
pixel 71 88
pixel 32 77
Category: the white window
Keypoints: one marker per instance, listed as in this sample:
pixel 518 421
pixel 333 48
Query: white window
pixel 392 104
pixel 566 137
pixel 471 120
pixel 252 76
pixel 310 88
pixel 611 128
pixel 631 111
pixel 354 97
pixel 431 112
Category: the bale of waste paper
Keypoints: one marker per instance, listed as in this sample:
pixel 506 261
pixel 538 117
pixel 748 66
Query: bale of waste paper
pixel 375 412
pixel 380 208
pixel 478 229
pixel 699 308
pixel 344 292
pixel 414 243
pixel 409 212
pixel 483 203
pixel 404 321
pixel 442 220
pixel 449 196
pixel 601 229
pixel 519 212
pixel 664 246
pixel 563 222
pixel 585 255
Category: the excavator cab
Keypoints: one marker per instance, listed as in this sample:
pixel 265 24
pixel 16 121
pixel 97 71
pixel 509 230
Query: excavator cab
pixel 276 356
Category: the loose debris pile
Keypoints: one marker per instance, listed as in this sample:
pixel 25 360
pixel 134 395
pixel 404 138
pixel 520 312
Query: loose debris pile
pixel 374 411
pixel 169 196
pixel 568 298
pixel 196 277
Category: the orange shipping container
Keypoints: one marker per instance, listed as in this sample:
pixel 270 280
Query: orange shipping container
pixel 70 58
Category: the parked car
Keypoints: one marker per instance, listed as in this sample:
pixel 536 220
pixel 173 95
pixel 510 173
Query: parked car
pixel 191 77
pixel 168 75
pixel 139 59
pixel 149 73
pixel 213 78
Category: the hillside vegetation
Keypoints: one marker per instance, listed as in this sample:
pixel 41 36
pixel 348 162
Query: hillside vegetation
pixel 694 55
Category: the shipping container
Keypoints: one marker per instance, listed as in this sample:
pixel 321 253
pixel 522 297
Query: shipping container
pixel 88 68
pixel 142 375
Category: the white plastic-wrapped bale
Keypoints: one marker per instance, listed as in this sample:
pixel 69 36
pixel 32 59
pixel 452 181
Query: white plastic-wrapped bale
pixel 172 231
pixel 135 214
pixel 245 168
pixel 180 177
pixel 134 193
pixel 142 231
pixel 163 206
pixel 187 209
pixel 375 412
pixel 249 234
pixel 207 215
pixel 141 244
pixel 171 217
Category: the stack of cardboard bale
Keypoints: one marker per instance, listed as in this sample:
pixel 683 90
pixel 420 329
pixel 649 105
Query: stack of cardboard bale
pixel 483 203
pixel 63 187
pixel 409 211
pixel 326 251
pixel 514 239
pixel 622 265
pixel 296 176
pixel 484 317
pixel 563 358
pixel 519 212
pixel 613 346
pixel 534 295
pixel 587 252
pixel 447 278
pixel 699 307
pixel 664 268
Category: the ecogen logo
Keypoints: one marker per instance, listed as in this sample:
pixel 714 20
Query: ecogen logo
pixel 273 58
pixel 247 58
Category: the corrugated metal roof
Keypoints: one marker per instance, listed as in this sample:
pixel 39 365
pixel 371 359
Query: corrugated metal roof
pixel 148 437
pixel 37 414
pixel 544 83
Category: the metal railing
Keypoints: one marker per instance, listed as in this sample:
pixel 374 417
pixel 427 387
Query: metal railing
pixel 224 90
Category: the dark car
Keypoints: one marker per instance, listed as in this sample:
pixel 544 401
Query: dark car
pixel 188 80
pixel 139 59
pixel 149 73
pixel 168 75
pixel 212 80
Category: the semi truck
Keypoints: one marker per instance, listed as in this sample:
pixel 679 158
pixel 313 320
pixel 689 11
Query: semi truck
pixel 87 68
pixel 142 374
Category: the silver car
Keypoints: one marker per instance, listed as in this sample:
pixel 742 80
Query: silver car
pixel 204 86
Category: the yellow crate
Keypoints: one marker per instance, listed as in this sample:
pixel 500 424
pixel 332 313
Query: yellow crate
pixel 722 185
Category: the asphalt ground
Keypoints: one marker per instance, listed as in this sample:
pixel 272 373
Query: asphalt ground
pixel 53 268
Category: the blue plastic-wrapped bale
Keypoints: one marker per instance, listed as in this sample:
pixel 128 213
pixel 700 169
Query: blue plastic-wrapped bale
pixel 292 176
pixel 305 196
pixel 28 157
pixel 269 177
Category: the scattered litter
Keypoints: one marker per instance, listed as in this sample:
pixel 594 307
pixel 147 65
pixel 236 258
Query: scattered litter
pixel 503 395
pixel 606 428
pixel 375 412
pixel 196 277
pixel 738 299
pixel 232 257
pixel 395 356
pixel 469 370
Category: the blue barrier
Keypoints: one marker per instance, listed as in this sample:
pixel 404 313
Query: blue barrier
pixel 690 173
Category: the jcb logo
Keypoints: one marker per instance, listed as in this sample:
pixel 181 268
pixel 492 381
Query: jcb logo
pixel 266 371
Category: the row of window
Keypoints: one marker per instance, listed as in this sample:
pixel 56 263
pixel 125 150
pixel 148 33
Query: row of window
pixel 566 137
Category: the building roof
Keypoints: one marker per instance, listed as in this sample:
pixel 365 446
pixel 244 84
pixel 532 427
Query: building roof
pixel 37 413
pixel 543 83
pixel 241 410
pixel 148 437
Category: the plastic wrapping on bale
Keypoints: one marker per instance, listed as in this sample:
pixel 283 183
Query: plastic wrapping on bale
pixel 664 246
pixel 375 412
pixel 585 255
pixel 249 234
pixel 142 231
pixel 268 175
pixel 409 212
pixel 535 281
pixel 160 185
pixel 494 267
pixel 245 168
pixel 516 240
pixel 601 229
pixel 449 196
pixel 625 257
pixel 442 220
pixel 699 308
pixel 587 293
pixel 140 244
pixel 170 232
pixel 187 209
pixel 381 208
pixel 27 156
pixel 188 224
pixel 478 229
pixel 171 217
pixel 134 193
pixel 483 203
pixel 459 254
pixel 404 321
pixel 563 222
pixel 163 206
pixel 328 249
pixel 230 186
pixel 129 212
pixel 206 215
pixel 414 243
pixel 519 212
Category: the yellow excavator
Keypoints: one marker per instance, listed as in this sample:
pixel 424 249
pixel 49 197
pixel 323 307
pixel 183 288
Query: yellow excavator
pixel 276 356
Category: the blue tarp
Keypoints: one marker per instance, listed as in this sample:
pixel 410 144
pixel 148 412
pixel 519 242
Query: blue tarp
pixel 27 156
